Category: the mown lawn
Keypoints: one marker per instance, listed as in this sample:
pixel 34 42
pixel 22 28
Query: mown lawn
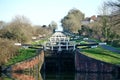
pixel 23 54
pixel 102 55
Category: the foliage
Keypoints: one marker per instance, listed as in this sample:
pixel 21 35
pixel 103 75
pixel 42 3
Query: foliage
pixel 85 31
pixel 39 30
pixel 7 50
pixel 115 19
pixel 72 21
pixel 53 25
pixel 2 24
pixel 23 55
pixel 19 29
pixel 107 25
pixel 103 55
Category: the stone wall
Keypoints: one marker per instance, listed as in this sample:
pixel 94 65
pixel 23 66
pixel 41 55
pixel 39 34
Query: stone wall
pixel 87 64
pixel 29 63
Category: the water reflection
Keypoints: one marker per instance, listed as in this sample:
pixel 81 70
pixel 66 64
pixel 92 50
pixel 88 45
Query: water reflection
pixel 93 76
pixel 21 76
pixel 58 76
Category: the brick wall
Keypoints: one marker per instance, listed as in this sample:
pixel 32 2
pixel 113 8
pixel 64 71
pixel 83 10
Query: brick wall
pixel 87 64
pixel 30 63
pixel 22 77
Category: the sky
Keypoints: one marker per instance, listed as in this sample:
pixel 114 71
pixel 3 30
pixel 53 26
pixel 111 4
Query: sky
pixel 43 12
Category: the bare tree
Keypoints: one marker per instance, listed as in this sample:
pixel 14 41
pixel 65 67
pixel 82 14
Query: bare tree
pixel 7 50
pixel 18 29
pixel 2 24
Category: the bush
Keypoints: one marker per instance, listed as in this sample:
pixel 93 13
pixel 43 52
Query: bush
pixel 116 43
pixel 7 50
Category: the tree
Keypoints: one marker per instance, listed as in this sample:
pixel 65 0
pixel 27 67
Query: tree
pixel 53 25
pixel 115 6
pixel 115 13
pixel 40 30
pixel 85 31
pixel 18 29
pixel 72 21
pixel 2 24
pixel 115 20
pixel 7 50
pixel 104 21
pixel 96 30
pixel 106 28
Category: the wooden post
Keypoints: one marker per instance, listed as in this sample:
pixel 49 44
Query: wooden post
pixel 45 47
pixel 64 39
pixel 44 66
pixel 67 45
pixel 68 39
pixel 59 49
pixel 74 47
pixel 52 47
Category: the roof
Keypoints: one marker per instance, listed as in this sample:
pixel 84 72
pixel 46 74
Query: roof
pixel 58 34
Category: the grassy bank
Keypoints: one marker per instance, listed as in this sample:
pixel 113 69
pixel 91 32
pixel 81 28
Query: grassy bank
pixel 23 54
pixel 102 55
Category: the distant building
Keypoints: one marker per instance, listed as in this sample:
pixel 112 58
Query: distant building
pixel 88 20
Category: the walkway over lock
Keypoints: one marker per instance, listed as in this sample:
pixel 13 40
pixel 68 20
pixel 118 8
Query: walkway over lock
pixel 59 41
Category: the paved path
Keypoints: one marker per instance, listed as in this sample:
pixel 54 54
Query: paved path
pixel 113 49
pixel 107 47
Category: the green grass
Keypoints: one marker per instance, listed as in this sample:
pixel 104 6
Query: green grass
pixel 23 54
pixel 79 41
pixel 83 42
pixel 7 78
pixel 102 55
pixel 118 48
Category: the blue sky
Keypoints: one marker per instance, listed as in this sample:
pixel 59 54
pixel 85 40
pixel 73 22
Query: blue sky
pixel 41 12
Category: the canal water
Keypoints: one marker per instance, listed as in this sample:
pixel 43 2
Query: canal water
pixel 59 76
